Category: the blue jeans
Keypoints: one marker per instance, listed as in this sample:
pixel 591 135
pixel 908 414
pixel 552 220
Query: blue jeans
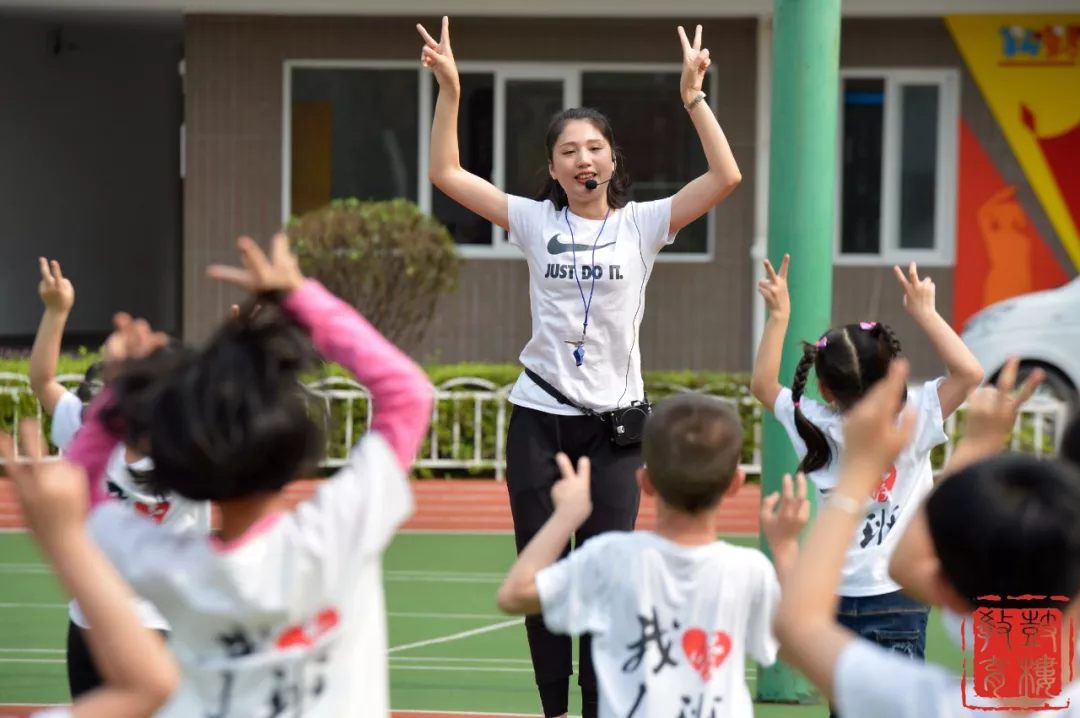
pixel 891 620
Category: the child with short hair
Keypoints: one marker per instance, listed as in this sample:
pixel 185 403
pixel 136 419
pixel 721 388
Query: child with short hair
pixel 672 612
pixel 999 526
pixel 848 360
pixel 283 612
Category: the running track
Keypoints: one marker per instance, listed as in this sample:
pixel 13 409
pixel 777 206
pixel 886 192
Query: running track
pixel 447 506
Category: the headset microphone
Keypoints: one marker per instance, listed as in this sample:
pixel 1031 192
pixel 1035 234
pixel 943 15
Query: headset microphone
pixel 593 184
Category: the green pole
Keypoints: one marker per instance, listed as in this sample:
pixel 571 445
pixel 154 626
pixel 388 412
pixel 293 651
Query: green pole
pixel 802 188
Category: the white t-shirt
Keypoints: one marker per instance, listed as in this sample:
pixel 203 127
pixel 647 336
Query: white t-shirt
pixel 671 625
pixel 615 275
pixel 175 512
pixel 291 614
pixel 874 681
pixel 893 503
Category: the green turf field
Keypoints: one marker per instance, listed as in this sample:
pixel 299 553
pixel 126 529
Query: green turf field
pixel 451 650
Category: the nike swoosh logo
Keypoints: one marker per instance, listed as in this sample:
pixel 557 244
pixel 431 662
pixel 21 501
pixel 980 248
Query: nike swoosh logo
pixel 557 247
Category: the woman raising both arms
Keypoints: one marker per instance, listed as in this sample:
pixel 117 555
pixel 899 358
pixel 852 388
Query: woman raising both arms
pixel 582 391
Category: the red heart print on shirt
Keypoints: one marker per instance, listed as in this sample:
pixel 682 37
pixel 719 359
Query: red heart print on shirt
pixel 884 489
pixel 299 635
pixel 155 511
pixel 706 658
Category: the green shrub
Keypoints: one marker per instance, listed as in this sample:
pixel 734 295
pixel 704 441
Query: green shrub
pixel 463 445
pixel 388 259
pixel 659 385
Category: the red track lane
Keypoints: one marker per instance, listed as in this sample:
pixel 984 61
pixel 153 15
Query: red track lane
pixel 469 506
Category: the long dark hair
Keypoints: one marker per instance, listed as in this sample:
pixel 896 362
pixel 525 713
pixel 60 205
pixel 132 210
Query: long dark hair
pixel 231 419
pixel 848 361
pixel 618 189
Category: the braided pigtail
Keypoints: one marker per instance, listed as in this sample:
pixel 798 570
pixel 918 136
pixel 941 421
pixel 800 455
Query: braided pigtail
pixel 885 333
pixel 818 452
pixel 890 343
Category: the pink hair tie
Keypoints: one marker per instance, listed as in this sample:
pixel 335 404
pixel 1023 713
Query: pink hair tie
pixel 821 343
pixel 867 326
pixel 796 404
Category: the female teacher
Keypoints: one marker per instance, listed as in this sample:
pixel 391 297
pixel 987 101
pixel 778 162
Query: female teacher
pixel 590 251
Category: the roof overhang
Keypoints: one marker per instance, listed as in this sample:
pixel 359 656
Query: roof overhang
pixel 689 9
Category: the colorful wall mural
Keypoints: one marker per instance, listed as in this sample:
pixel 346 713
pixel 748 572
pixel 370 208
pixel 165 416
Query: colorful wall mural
pixel 1028 70
pixel 1000 253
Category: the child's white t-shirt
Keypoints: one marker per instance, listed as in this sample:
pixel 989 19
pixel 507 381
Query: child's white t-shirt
pixel 614 275
pixel 671 625
pixel 893 503
pixel 290 620
pixel 175 512
pixel 870 680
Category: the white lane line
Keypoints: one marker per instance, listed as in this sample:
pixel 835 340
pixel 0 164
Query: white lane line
pixel 458 636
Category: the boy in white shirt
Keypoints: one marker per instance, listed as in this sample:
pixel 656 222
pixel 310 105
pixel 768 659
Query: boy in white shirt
pixel 672 612
pixel 1005 527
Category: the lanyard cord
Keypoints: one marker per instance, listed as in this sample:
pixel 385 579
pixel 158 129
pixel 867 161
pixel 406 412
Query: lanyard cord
pixel 577 276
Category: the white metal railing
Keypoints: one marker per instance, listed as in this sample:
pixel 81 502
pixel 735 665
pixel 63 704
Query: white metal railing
pixel 466 408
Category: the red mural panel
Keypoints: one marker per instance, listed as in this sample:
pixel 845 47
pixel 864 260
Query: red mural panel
pixel 1000 254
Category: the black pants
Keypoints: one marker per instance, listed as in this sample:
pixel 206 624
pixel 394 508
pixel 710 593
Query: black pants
pixel 83 675
pixel 533 439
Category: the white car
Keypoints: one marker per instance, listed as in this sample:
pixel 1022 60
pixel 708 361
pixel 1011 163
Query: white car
pixel 1042 329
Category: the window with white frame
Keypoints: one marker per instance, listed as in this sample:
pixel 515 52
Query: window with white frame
pixel 896 196
pixel 362 130
pixel 351 132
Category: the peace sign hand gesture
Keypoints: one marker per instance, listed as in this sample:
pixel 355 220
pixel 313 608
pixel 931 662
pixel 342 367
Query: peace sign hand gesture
pixel 439 57
pixel 280 272
pixel 919 294
pixel 992 411
pixel 774 289
pixel 782 527
pixel 695 62
pixel 55 289
pixel 571 495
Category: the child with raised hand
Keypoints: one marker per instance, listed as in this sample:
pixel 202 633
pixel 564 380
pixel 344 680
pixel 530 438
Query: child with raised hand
pixel 129 473
pixel 138 673
pixel 672 612
pixel 847 361
pixel 989 420
pixel 1000 526
pixel 283 613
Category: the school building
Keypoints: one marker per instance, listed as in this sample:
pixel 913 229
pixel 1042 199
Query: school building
pixel 141 137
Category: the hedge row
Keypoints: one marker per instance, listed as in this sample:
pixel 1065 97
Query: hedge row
pixel 658 384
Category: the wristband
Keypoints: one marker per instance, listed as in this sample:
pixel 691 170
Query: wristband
pixel 694 102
